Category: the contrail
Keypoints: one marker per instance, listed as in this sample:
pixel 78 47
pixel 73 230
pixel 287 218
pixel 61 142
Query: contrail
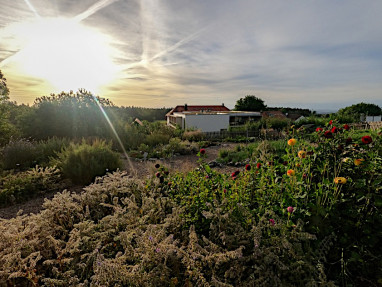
pixel 93 9
pixel 32 8
pixel 177 44
pixel 8 59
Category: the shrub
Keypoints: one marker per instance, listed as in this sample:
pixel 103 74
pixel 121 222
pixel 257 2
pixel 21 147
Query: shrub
pixel 81 163
pixel 118 233
pixel 193 136
pixel 49 148
pixel 19 154
pixel 17 187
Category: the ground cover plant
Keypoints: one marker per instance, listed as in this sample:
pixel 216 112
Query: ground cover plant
pixel 309 216
pixel 16 187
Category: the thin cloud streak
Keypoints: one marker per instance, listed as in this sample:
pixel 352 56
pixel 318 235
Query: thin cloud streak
pixel 93 9
pixel 32 8
pixel 292 53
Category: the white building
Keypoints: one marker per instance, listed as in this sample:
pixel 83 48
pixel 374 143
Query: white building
pixel 208 120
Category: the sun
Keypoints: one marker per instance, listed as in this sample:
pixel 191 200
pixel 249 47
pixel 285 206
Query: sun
pixel 66 54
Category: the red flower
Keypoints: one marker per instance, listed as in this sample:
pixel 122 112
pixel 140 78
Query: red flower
pixel 272 221
pixel 157 174
pixel 334 130
pixel 258 165
pixel 235 174
pixel 319 130
pixel 328 134
pixel 290 209
pixel 346 127
pixel 202 151
pixel 330 122
pixel 367 139
pixel 248 167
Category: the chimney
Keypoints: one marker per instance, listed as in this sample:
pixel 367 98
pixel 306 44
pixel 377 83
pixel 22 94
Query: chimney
pixel 185 107
pixel 223 104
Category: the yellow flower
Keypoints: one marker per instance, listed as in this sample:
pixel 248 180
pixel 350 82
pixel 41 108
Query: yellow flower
pixel 292 142
pixel 302 154
pixel 358 161
pixel 340 180
pixel 291 172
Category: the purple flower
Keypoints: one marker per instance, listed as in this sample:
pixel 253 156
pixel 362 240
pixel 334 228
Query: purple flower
pixel 150 237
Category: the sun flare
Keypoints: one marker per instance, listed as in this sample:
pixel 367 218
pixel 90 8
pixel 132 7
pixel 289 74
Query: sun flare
pixel 65 53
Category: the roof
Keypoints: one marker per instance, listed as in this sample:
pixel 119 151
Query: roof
pixel 273 114
pixel 219 108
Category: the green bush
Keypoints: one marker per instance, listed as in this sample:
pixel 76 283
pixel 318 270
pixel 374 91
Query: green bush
pixel 17 187
pixel 81 163
pixel 19 154
pixel 49 148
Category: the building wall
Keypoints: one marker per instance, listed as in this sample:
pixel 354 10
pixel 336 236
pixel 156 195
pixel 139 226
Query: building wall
pixel 208 123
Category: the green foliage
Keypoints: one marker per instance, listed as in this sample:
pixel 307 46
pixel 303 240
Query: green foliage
pixel 23 153
pixel 276 123
pixel 4 91
pixel 355 111
pixel 6 129
pixel 71 115
pixel 119 233
pixel 19 154
pixel 250 103
pixel 81 163
pixel 17 187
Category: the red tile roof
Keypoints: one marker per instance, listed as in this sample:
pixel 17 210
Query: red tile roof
pixel 220 108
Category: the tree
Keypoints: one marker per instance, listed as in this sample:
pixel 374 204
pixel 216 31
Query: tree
pixel 71 115
pixel 355 111
pixel 4 91
pixel 6 128
pixel 250 103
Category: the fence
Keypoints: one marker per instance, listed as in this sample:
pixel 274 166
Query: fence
pixel 368 125
pixel 375 125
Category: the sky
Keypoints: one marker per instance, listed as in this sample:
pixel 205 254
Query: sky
pixel 321 55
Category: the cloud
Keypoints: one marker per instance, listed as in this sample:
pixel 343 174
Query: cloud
pixel 293 53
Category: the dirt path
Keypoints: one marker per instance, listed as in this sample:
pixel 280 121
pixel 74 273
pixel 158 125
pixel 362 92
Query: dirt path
pixel 138 169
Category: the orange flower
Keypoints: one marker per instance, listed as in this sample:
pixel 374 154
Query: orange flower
pixel 358 161
pixel 291 172
pixel 340 180
pixel 302 154
pixel 292 142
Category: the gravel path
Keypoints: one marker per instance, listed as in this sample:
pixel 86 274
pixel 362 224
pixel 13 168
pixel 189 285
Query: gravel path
pixel 138 169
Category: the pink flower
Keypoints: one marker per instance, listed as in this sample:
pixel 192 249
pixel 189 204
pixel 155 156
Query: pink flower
pixel 290 209
pixel 272 221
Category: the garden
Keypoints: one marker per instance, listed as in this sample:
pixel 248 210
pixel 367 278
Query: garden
pixel 304 211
